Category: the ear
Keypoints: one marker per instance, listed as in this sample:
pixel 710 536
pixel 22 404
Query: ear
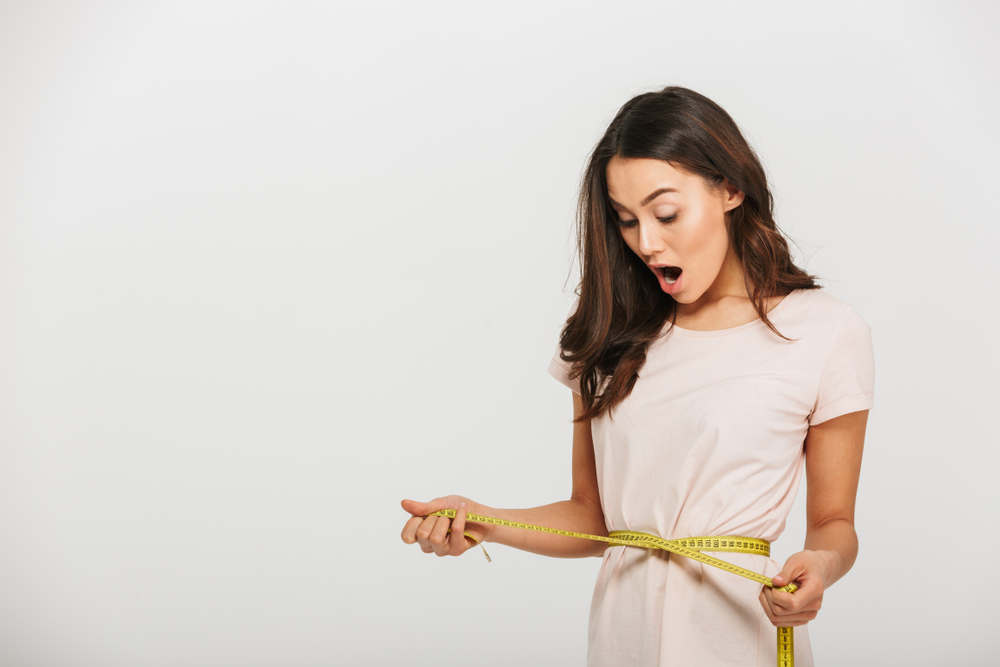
pixel 731 197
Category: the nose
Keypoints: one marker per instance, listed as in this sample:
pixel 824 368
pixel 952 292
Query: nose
pixel 650 241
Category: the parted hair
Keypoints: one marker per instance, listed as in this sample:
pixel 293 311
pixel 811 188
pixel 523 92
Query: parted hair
pixel 621 308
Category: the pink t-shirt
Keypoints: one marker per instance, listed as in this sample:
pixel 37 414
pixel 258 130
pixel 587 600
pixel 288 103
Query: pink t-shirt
pixel 710 442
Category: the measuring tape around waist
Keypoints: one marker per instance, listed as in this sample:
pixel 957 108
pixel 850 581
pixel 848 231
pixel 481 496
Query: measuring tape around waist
pixel 689 547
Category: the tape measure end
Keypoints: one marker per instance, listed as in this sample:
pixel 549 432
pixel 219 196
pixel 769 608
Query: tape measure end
pixel 481 546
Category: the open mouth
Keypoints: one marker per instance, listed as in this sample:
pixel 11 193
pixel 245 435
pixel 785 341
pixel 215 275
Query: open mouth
pixel 671 273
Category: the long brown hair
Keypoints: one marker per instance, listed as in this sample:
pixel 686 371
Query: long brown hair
pixel 621 307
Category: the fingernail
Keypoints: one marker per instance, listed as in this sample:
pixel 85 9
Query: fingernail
pixel 463 504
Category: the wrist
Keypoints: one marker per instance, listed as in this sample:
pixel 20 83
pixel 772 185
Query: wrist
pixel 483 531
pixel 830 562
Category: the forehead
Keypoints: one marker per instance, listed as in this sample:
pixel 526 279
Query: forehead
pixel 630 180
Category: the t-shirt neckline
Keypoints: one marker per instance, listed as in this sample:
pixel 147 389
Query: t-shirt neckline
pixel 777 310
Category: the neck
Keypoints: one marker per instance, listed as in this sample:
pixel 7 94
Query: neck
pixel 728 284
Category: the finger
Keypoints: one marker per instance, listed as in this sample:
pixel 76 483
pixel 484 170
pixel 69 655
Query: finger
pixel 784 620
pixel 789 573
pixel 409 533
pixel 424 531
pixel 786 604
pixel 781 617
pixel 765 603
pixel 457 541
pixel 767 600
pixel 439 536
pixel 782 602
pixel 808 596
pixel 793 620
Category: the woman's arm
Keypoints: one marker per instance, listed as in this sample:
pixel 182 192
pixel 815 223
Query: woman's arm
pixel 582 513
pixel 833 466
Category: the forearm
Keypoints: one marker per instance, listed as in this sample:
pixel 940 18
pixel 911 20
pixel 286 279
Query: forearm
pixel 837 542
pixel 573 515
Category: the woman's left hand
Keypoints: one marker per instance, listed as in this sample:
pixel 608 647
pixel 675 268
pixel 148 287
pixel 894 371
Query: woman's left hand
pixel 810 570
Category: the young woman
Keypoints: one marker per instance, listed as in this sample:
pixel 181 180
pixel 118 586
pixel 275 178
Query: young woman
pixel 706 369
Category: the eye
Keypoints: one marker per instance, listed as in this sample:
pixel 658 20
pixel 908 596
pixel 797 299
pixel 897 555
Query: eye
pixel 632 223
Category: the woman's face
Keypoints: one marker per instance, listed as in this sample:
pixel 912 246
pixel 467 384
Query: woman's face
pixel 676 223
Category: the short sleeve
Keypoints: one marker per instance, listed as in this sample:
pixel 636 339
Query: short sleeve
pixel 560 369
pixel 847 381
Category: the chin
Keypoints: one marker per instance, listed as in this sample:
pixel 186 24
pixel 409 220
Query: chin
pixel 683 298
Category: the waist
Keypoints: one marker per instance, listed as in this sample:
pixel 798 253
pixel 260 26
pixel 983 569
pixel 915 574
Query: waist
pixel 727 543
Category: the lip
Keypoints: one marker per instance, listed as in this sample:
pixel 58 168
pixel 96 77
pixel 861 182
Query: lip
pixel 664 285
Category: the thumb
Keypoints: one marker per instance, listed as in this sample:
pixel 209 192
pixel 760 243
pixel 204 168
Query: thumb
pixel 424 509
pixel 783 578
pixel 415 508
pixel 790 571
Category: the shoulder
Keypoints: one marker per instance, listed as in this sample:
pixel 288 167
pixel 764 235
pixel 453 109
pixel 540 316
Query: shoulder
pixel 820 308
pixel 840 340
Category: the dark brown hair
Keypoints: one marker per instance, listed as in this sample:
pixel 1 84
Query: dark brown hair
pixel 621 307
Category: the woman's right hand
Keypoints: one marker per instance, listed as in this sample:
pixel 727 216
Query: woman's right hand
pixel 431 532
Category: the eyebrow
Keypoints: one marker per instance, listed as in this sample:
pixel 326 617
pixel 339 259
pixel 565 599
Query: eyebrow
pixel 651 197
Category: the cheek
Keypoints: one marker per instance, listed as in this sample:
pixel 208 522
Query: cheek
pixel 720 241
pixel 711 239
pixel 705 245
pixel 631 239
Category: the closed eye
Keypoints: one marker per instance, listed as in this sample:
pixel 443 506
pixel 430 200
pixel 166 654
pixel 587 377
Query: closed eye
pixel 631 223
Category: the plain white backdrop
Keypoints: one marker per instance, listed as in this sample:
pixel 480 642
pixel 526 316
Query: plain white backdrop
pixel 268 268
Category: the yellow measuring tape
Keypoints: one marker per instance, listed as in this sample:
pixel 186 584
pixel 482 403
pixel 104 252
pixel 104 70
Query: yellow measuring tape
pixel 690 547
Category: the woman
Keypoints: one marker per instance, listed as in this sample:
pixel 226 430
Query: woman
pixel 706 368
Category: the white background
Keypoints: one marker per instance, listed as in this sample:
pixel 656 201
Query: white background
pixel 268 268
